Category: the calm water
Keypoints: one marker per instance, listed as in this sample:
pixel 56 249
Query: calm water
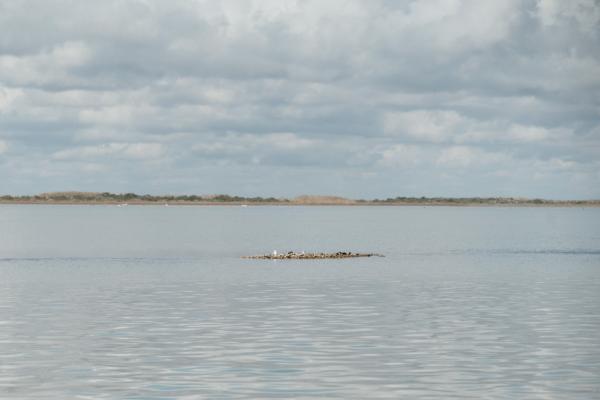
pixel 154 303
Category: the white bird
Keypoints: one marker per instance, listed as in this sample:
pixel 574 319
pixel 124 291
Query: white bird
pixel 274 253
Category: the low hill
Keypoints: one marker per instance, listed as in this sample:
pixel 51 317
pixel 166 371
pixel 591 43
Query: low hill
pixel 326 200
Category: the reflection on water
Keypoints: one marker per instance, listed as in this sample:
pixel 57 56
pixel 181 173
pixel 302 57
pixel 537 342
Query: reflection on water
pixel 463 324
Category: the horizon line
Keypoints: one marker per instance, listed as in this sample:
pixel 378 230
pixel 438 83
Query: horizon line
pixel 222 197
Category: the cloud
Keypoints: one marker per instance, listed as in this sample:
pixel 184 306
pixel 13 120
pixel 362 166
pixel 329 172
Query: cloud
pixel 49 67
pixel 239 143
pixel 136 151
pixel 440 126
pixel 361 98
pixel 433 126
pixel 585 12
pixel 277 149
pixel 527 133
pixel 401 155
pixel 465 156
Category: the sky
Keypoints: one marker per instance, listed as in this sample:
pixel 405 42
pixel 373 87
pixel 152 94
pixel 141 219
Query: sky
pixel 363 99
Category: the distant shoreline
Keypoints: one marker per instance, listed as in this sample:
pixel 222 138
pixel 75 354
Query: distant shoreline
pixel 105 198
pixel 291 204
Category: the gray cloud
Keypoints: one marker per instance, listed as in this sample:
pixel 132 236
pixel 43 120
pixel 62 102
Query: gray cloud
pixel 352 98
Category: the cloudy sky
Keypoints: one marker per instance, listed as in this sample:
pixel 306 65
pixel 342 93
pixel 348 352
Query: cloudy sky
pixel 363 99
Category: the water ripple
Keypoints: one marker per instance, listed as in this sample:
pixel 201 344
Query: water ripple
pixel 298 340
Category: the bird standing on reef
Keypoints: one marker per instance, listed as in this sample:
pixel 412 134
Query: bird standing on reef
pixel 274 253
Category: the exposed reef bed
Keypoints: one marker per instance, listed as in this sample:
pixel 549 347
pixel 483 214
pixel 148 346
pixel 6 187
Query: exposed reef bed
pixel 291 255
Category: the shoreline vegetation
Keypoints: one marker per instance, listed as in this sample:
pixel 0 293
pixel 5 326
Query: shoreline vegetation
pixel 106 198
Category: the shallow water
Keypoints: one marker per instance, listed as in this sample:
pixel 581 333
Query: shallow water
pixel 155 303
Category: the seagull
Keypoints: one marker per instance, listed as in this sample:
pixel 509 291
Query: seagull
pixel 274 253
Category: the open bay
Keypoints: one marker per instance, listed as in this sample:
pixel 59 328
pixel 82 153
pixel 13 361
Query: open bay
pixel 152 302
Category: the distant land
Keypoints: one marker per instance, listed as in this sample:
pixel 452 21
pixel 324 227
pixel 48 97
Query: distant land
pixel 224 199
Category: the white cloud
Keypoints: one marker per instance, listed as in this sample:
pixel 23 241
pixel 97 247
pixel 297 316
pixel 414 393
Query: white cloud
pixel 285 141
pixel 93 168
pixel 121 114
pixel 439 126
pixel 457 156
pixel 502 132
pixel 143 150
pixel 140 151
pixel 585 12
pixel 69 54
pixel 402 155
pixel 466 156
pixel 427 125
pixel 455 25
pixel 8 98
pixel 50 66
pixel 246 143
pixel 527 133
pixel 555 164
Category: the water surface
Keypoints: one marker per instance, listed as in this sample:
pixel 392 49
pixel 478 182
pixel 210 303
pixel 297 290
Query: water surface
pixel 103 302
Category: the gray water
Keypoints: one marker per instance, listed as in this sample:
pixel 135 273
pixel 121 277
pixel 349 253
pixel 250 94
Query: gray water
pixel 102 302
